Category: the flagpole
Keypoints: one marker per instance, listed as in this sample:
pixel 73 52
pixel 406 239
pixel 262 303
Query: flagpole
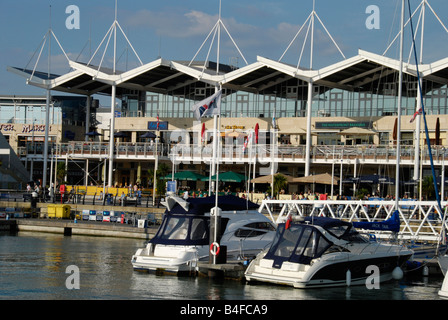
pixel 216 151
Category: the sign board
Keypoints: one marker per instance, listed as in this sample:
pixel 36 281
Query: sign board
pixel 344 124
pixel 171 186
pixel 163 125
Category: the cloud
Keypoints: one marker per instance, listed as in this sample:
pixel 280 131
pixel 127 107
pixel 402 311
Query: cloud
pixel 269 41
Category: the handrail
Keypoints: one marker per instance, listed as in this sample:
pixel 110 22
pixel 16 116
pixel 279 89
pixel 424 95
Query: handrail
pixel 235 153
pixel 420 220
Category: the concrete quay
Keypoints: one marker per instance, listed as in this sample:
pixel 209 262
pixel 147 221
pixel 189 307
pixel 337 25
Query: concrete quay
pixel 85 228
pixel 100 229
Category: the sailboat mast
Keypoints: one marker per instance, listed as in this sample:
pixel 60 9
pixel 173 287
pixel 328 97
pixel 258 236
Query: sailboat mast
pixel 400 91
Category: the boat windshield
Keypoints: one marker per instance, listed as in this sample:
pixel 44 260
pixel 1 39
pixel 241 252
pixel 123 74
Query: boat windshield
pixel 183 230
pixel 299 243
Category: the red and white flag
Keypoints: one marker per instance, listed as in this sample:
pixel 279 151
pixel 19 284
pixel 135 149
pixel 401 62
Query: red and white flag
pixel 419 111
pixel 208 107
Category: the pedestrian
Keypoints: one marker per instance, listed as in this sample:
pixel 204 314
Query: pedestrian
pixel 139 196
pixel 122 199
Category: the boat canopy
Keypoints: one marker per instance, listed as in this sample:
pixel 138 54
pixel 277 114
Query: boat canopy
pixel 183 230
pixel 200 206
pixel 302 242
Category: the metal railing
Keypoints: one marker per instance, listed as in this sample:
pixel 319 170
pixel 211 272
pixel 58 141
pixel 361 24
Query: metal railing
pixel 236 153
pixel 420 220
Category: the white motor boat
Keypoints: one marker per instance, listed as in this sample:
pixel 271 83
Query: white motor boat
pixel 443 263
pixel 183 237
pixel 322 252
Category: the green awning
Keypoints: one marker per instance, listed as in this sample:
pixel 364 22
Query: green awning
pixel 228 177
pixel 185 175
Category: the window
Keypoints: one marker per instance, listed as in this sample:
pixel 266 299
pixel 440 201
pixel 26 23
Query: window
pixel 254 229
pixel 176 229
pixel 199 229
pixel 288 242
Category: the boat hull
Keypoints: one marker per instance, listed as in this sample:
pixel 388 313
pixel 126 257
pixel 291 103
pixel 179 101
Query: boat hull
pixel 332 273
pixel 178 260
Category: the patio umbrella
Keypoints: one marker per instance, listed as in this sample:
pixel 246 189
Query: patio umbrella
pixel 323 178
pixel 148 134
pixel 186 176
pixel 120 134
pixel 203 132
pixel 228 177
pixel 437 132
pixel 93 134
pixel 268 179
pixel 257 129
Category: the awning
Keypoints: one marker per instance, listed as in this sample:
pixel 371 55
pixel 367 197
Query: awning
pixel 268 179
pixel 227 177
pixel 186 176
pixel 356 131
pixel 323 178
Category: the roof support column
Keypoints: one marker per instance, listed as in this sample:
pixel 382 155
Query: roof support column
pixel 111 135
pixel 87 117
pixel 47 125
pixel 308 129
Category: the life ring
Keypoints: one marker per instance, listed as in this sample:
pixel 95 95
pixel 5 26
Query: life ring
pixel 212 248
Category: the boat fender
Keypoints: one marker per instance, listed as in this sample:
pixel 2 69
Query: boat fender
pixel 397 273
pixel 348 277
pixel 214 251
pixel 425 271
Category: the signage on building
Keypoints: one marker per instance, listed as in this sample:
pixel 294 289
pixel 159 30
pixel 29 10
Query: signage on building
pixel 344 124
pixel 235 127
pixel 163 125
pixel 26 128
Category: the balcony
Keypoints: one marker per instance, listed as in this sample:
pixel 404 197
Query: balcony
pixel 322 154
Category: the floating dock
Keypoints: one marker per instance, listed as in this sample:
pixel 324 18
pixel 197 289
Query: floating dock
pixel 231 270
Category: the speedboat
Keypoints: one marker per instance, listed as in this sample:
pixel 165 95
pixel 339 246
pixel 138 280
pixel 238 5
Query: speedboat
pixel 183 238
pixel 323 252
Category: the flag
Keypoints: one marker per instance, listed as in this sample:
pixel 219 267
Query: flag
pixel 257 128
pixel 288 222
pixel 274 124
pixel 247 141
pixel 208 107
pixel 419 111
pixel 203 133
pixel 158 122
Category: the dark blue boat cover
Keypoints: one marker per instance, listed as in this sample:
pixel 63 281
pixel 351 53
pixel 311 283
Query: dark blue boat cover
pixel 391 224
pixel 200 206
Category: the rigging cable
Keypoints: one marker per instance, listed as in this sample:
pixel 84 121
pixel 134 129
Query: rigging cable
pixel 422 111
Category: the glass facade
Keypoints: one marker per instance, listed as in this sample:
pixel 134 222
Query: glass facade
pixel 63 110
pixel 327 102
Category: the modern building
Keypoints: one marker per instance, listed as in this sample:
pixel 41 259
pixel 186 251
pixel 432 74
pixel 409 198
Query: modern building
pixel 340 119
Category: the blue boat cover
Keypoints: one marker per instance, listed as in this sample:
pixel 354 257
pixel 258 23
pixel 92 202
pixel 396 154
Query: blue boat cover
pixel 200 206
pixel 391 224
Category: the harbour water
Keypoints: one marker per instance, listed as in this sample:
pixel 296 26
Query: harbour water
pixel 33 266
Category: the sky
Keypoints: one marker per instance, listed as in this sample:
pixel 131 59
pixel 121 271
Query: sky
pixel 176 29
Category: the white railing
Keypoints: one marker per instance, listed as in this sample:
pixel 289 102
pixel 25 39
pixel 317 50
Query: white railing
pixel 420 220
pixel 236 154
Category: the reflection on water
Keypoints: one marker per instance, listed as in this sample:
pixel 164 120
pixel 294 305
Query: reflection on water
pixel 33 266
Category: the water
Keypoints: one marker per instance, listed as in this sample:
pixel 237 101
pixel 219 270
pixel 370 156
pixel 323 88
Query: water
pixel 33 267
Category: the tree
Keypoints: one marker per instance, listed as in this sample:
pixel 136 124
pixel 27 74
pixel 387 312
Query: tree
pixel 60 172
pixel 428 190
pixel 162 171
pixel 280 182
